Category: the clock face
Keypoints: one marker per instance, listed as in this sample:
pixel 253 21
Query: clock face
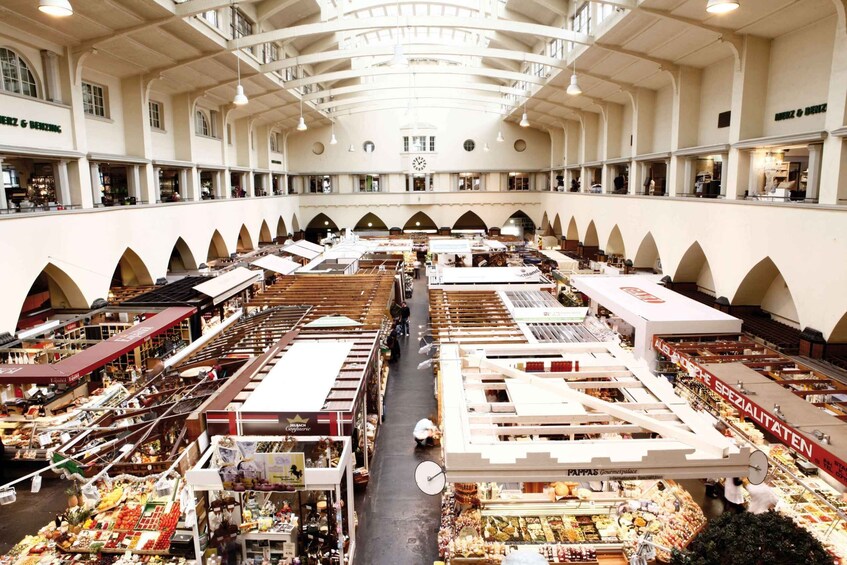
pixel 419 163
pixel 430 477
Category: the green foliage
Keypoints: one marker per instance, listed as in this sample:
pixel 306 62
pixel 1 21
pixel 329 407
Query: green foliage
pixel 753 539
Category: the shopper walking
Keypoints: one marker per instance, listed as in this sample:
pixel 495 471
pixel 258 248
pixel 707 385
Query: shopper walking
pixel 405 314
pixel 417 267
pixel 762 498
pixel 733 495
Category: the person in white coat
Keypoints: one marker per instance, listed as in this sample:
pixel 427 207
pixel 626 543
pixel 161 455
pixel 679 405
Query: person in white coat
pixel 762 498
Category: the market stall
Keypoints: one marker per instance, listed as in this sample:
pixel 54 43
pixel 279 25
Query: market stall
pixel 573 437
pixel 276 497
pixel 646 309
pixel 490 278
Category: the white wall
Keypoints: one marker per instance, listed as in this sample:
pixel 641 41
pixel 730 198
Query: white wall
pixel 800 67
pixel 26 108
pixel 163 142
pixel 778 301
pixel 626 131
pixel 384 130
pixel 662 119
pixel 715 97
pixel 106 135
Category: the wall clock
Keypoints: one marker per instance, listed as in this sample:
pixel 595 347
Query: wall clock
pixel 419 163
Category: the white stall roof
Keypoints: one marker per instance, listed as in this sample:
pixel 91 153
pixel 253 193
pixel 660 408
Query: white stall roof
pixel 301 380
pixel 388 245
pixel 277 264
pixel 495 245
pixel 492 275
pixel 564 263
pixel 633 295
pixel 303 249
pixel 228 284
pixel 449 245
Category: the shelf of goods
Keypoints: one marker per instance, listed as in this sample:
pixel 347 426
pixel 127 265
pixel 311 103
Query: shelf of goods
pixel 30 439
pixel 808 499
pixel 128 517
pixel 564 527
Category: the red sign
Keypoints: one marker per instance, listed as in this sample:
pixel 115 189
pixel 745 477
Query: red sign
pixel 642 295
pixel 794 439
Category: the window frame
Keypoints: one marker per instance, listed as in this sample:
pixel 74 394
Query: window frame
pixel 475 182
pixel 524 178
pixel 92 103
pixel 363 181
pixel 240 24
pixel 160 115
pixel 21 70
pixel 202 124
pixel 312 186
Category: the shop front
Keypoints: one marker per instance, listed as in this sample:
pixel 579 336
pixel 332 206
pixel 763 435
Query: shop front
pixel 618 171
pixel 593 175
pixel 703 171
pixel 275 499
pixel 173 181
pixel 32 183
pixel 653 174
pixel 116 180
pixel 568 450
pixel 211 182
pixel 783 169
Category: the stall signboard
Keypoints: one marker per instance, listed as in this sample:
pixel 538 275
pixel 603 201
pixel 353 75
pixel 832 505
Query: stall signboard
pixel 285 468
pixel 786 434
pixel 246 465
pixel 227 422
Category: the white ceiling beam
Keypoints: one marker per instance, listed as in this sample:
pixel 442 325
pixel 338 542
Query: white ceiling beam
pixel 121 33
pixel 359 100
pixel 735 41
pixel 446 22
pixel 664 64
pixel 420 70
pixel 269 8
pixel 194 7
pixel 558 7
pixel 479 86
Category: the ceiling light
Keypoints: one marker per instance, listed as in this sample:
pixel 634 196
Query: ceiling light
pixel 351 149
pixel 500 137
pixel 58 8
pixel 332 139
pixel 399 59
pixel 524 120
pixel 370 224
pixel 301 125
pixel 326 222
pixel 417 223
pixel 573 87
pixel 240 98
pixel 721 6
pixel 485 147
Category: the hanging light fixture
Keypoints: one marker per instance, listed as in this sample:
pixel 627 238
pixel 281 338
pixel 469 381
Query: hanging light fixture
pixel 240 98
pixel 500 137
pixel 721 6
pixel 524 123
pixel 485 147
pixel 301 125
pixel 332 139
pixel 399 59
pixel 351 149
pixel 573 87
pixel 57 8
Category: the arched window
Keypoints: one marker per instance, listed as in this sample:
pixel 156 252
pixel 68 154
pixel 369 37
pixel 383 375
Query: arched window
pixel 17 77
pixel 201 124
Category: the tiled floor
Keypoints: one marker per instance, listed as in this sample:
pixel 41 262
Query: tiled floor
pixel 398 524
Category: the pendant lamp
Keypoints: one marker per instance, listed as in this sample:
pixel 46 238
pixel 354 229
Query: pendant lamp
pixel 57 8
pixel 301 125
pixel 351 149
pixel 240 98
pixel 573 87
pixel 485 147
pixel 721 6
pixel 399 59
pixel 332 139
pixel 524 123
pixel 500 137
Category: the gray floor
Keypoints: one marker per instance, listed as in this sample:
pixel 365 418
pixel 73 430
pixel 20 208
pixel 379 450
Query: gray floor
pixel 30 512
pixel 398 524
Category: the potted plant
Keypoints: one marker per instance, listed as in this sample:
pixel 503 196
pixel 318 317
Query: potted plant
pixel 73 495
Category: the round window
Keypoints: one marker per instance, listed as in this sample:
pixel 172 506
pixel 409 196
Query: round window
pixel 318 148
pixel 520 145
pixel 368 147
pixel 469 145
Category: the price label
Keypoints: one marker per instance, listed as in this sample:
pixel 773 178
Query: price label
pixel 44 440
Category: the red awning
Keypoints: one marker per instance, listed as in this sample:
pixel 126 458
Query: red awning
pixel 72 368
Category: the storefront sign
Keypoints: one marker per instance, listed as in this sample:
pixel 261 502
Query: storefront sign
pixel 800 112
pixel 30 124
pixel 276 161
pixel 749 409
pixel 610 474
pixel 642 295
pixel 244 466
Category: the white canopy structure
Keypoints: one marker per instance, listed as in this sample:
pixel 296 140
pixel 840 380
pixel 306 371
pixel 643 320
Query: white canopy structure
pixel 277 264
pixel 228 284
pixel 652 309
pixel 528 412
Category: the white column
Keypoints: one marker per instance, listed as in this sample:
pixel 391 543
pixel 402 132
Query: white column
pixel 157 187
pixel 183 185
pixel 3 203
pixel 217 184
pixel 250 185
pixel 63 184
pixel 96 193
pixel 134 182
pixel 814 177
pixel 724 158
pixel 634 177
pixel 227 184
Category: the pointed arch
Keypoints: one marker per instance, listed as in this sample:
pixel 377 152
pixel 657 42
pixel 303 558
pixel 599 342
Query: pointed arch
pixel 520 219
pixel 217 247
pixel 265 233
pixel 573 232
pixel 131 270
pixel 470 221
pixel 647 256
pixel 839 332
pixel 370 222
pixel 52 289
pixel 615 244
pixel 764 286
pixel 591 239
pixel 182 259
pixel 545 225
pixel 557 226
pixel 281 230
pixel 419 221
pixel 295 223
pixel 317 229
pixel 244 242
pixel 694 269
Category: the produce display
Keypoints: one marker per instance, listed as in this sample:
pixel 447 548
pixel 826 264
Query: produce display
pixel 568 531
